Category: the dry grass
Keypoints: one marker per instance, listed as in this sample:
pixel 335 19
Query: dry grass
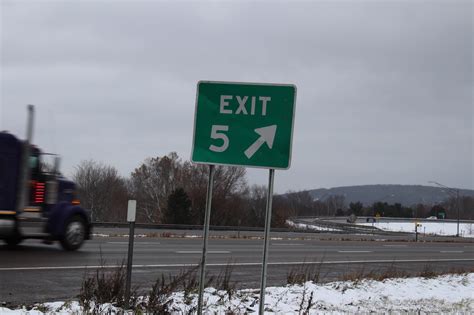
pixel 159 297
pixel 223 280
pixel 428 271
pixel 300 274
pixel 105 285
pixel 379 274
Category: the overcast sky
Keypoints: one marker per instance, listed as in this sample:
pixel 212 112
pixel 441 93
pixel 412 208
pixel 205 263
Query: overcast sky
pixel 385 89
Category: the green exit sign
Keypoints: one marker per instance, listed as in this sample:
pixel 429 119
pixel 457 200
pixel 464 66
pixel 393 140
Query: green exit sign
pixel 245 124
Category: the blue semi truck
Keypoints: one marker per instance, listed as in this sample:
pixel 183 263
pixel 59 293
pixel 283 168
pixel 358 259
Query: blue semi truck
pixel 36 201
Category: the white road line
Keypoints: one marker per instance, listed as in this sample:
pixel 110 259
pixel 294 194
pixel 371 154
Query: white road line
pixel 286 244
pixel 451 251
pixel 354 251
pixel 395 245
pixel 136 243
pixel 382 261
pixel 200 252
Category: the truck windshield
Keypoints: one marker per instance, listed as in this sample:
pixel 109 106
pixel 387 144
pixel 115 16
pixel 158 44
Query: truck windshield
pixel 34 166
pixel 47 162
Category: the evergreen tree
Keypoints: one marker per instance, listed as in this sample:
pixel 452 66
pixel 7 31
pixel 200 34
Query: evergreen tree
pixel 356 208
pixel 179 207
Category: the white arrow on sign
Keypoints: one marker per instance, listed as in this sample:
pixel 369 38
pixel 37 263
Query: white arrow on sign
pixel 267 134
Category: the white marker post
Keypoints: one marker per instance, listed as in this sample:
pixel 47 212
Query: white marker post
pixel 131 214
pixel 416 231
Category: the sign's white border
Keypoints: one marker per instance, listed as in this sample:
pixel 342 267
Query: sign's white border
pixel 244 83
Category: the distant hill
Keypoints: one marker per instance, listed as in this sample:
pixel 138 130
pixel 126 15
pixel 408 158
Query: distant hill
pixel 407 195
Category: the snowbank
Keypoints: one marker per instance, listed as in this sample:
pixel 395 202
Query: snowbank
pixel 310 227
pixel 444 294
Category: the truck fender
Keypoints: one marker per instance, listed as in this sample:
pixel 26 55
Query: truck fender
pixel 59 216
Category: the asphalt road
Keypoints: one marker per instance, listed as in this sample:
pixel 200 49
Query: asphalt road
pixel 35 272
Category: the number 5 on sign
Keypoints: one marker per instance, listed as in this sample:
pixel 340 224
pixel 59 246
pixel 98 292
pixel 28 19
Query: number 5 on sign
pixel 217 133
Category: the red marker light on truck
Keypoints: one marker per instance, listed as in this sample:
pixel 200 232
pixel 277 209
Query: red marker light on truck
pixel 39 192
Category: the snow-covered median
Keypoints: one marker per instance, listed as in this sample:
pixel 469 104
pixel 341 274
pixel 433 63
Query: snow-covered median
pixel 304 226
pixel 443 294
pixel 432 228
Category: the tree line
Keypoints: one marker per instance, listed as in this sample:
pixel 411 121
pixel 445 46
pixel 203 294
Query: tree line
pixel 303 204
pixel 169 190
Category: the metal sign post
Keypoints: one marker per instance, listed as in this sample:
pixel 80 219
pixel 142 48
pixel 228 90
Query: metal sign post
pixel 266 238
pixel 207 219
pixel 131 214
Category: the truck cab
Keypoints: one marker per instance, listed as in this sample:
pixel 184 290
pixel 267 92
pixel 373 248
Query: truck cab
pixel 36 201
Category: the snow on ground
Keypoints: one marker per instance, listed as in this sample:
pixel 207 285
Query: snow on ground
pixel 117 235
pixel 433 228
pixel 443 294
pixel 310 227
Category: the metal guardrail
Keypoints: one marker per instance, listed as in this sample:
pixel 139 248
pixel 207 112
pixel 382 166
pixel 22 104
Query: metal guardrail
pixel 191 227
pixel 347 227
pixel 219 228
pixel 383 219
pixel 336 227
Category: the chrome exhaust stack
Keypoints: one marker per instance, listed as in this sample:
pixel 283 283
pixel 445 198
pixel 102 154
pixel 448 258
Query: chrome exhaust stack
pixel 23 189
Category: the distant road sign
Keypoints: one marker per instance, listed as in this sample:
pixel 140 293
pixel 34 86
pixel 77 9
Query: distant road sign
pixel 244 124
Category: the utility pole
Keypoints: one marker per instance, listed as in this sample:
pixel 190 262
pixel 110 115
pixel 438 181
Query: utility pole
pixel 455 192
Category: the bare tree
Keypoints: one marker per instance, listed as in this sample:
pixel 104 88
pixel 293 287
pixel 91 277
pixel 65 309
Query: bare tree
pixel 301 203
pixel 195 185
pixel 230 180
pixel 230 186
pixel 101 190
pixel 335 202
pixel 153 182
pixel 465 204
pixel 256 205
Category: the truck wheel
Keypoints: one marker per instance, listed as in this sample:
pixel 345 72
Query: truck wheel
pixel 74 233
pixel 12 241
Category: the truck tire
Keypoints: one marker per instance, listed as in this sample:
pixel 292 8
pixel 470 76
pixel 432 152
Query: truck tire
pixel 74 233
pixel 13 241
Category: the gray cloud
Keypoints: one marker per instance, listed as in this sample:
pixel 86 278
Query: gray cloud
pixel 384 89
